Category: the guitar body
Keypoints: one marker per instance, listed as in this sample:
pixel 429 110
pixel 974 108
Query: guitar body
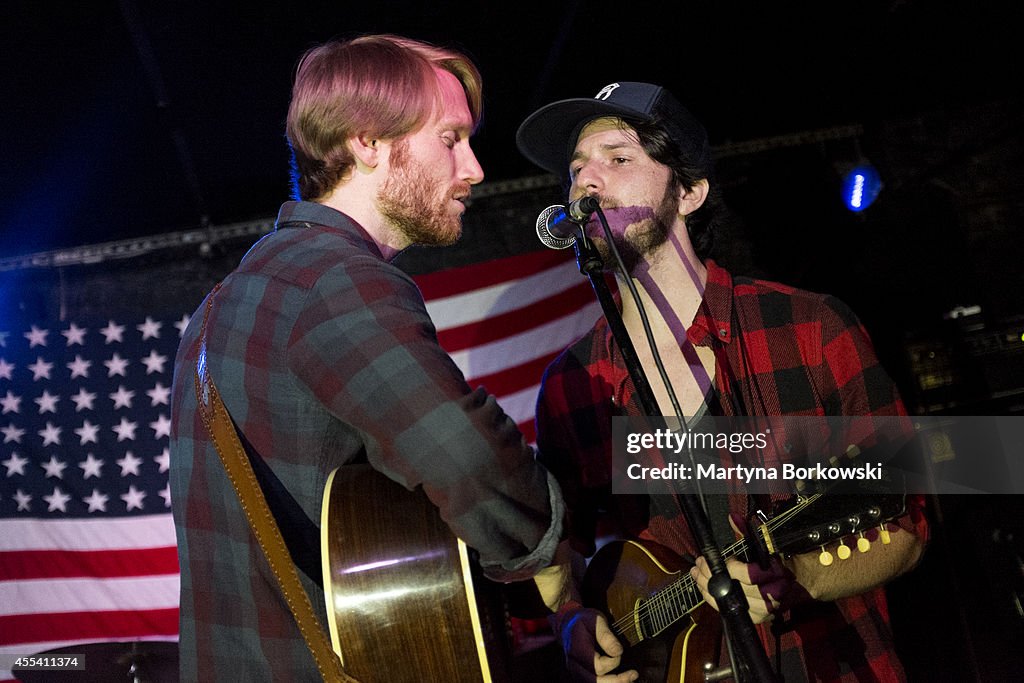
pixel 404 599
pixel 621 574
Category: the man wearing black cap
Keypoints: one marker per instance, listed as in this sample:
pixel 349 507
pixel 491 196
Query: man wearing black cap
pixel 731 346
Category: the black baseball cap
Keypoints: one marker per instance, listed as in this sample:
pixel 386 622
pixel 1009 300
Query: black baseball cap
pixel 548 136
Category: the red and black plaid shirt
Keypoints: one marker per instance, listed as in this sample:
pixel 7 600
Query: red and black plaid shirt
pixel 789 352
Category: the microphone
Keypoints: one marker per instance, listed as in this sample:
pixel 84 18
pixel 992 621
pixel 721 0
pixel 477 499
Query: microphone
pixel 557 225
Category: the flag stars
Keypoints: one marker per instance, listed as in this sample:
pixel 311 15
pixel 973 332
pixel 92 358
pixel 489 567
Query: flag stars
pixel 97 502
pixel 154 362
pixel 161 427
pixel 51 434
pixel 182 324
pixel 6 369
pixel 87 433
pixel 54 468
pixel 3 338
pixel 47 402
pixel 125 430
pixel 165 493
pixel 40 369
pixel 24 501
pixel 122 398
pixel 58 500
pixel 16 464
pixel 159 395
pixel 75 335
pixel 11 403
pixel 36 337
pixel 83 400
pixel 133 499
pixel 150 329
pixel 116 366
pixel 113 332
pixel 163 460
pixel 12 433
pixel 79 367
pixel 129 464
pixel 91 467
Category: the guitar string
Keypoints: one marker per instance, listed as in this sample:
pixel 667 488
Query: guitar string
pixel 684 585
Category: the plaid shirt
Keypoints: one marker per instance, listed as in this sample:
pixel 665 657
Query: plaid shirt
pixel 323 352
pixel 788 352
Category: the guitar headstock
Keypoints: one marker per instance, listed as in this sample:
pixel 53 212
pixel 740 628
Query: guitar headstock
pixel 814 521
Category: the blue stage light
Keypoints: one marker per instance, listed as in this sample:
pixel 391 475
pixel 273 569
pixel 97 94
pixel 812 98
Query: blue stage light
pixel 861 186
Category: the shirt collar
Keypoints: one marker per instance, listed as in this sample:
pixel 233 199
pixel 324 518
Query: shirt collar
pixel 714 317
pixel 312 213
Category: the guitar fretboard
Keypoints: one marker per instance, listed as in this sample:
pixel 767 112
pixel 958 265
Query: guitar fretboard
pixel 675 601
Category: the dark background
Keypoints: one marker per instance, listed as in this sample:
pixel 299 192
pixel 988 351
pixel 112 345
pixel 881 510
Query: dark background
pixel 128 122
pixel 131 118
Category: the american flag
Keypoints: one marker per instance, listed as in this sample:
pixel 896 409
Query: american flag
pixel 87 547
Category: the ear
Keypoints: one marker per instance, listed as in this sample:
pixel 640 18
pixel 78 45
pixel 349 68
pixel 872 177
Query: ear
pixel 691 199
pixel 366 150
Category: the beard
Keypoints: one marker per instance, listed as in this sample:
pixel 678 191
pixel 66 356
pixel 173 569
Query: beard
pixel 647 236
pixel 416 204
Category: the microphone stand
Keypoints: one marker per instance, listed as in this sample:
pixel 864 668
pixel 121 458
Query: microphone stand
pixel 732 604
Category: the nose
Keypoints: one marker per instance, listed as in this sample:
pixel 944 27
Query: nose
pixel 470 169
pixel 588 180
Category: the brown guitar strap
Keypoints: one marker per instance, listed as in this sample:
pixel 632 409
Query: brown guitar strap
pixel 264 527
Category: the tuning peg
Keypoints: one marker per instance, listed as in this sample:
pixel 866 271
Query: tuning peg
pixel 863 544
pixel 883 533
pixel 843 551
pixel 825 558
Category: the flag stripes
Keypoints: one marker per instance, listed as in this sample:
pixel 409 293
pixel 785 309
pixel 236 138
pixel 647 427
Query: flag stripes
pixel 87 545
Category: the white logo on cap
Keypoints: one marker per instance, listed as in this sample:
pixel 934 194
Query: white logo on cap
pixel 606 91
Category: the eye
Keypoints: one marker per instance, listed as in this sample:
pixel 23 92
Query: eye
pixel 449 139
pixel 618 161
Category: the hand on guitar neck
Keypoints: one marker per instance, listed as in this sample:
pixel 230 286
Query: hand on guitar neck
pixel 769 589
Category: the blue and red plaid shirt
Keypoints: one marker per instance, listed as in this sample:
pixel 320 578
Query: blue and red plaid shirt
pixel 324 353
pixel 789 352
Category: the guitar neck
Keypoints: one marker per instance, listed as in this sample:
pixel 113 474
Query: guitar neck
pixel 679 598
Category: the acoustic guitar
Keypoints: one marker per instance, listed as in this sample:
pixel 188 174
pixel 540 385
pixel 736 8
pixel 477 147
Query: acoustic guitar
pixel 659 613
pixel 405 600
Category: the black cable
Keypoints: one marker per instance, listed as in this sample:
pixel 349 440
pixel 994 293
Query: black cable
pixel 653 345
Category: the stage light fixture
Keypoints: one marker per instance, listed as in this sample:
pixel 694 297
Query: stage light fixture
pixel 861 186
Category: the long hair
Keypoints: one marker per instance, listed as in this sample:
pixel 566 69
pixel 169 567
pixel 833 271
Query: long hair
pixel 380 86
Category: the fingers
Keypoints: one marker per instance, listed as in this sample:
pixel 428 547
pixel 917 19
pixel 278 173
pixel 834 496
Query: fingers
pixel 759 605
pixel 592 650
pixel 604 664
pixel 606 640
pixel 624 677
pixel 738 524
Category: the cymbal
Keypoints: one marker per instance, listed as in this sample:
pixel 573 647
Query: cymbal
pixel 154 662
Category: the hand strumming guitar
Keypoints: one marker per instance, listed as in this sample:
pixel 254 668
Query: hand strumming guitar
pixel 591 650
